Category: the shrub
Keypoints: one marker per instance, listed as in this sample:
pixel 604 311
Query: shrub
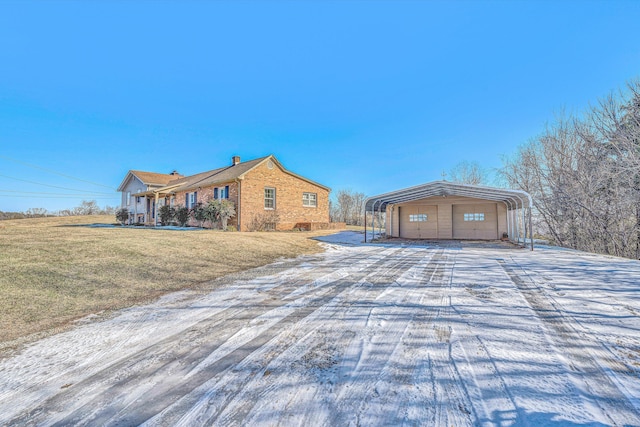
pixel 166 214
pixel 199 213
pixel 267 221
pixel 182 215
pixel 122 215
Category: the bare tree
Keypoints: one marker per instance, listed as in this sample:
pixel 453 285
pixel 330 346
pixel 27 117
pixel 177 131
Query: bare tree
pixel 348 207
pixel 584 176
pixel 469 173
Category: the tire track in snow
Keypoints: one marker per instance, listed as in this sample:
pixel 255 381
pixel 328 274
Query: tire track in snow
pixel 376 350
pixel 578 351
pixel 231 401
pixel 374 284
pixel 405 354
pixel 116 385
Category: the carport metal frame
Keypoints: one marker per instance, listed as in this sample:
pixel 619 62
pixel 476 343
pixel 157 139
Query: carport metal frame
pixel 513 200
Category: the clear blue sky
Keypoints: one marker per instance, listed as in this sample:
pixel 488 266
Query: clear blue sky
pixel 367 95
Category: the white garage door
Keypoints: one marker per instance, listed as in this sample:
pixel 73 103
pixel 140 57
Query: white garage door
pixel 419 222
pixel 475 221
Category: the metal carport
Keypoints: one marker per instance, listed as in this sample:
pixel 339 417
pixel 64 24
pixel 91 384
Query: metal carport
pixel 518 203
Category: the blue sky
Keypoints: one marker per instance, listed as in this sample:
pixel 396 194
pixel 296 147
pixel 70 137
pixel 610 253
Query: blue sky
pixel 366 95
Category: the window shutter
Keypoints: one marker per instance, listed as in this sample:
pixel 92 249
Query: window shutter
pixel 215 193
pixel 195 198
pixel 226 192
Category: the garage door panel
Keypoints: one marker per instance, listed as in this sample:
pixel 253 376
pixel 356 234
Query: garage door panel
pixel 413 227
pixel 481 223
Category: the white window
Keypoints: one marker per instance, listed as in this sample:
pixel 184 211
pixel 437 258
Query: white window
pixel 221 192
pixel 269 198
pixel 417 217
pixel 310 199
pixel 128 198
pixel 474 217
pixel 191 199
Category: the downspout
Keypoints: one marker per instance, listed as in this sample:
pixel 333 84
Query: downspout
pixel 238 211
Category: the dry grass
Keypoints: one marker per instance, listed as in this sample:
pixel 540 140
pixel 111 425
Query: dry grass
pixel 52 272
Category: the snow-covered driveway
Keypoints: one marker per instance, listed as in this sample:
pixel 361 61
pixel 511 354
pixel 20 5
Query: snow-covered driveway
pixel 456 334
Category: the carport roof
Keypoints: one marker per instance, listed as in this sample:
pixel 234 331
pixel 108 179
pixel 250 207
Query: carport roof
pixel 515 199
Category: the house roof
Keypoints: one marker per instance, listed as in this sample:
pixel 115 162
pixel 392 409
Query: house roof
pixel 515 199
pixel 221 175
pixel 149 178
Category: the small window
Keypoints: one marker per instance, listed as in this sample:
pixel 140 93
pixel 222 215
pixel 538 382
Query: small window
pixel 191 199
pixel 310 199
pixel 418 217
pixel 474 217
pixel 269 198
pixel 221 192
pixel 128 198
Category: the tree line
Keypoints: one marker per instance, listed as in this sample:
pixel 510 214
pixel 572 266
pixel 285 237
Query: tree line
pixel 583 173
pixel 86 207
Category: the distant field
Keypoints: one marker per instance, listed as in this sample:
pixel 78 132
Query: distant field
pixel 53 271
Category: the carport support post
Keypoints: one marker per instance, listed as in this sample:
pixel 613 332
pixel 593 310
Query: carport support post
pixel 373 220
pixel 365 223
pixel 516 216
pixel 531 227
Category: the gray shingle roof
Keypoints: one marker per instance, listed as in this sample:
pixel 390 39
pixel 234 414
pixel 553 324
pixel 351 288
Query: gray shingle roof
pixel 220 175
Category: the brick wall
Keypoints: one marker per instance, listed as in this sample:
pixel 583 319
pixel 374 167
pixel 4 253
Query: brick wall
pixel 289 190
pixel 205 194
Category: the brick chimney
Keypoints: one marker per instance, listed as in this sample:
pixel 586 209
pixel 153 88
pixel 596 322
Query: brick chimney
pixel 235 160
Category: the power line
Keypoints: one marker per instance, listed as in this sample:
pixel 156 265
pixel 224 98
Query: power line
pixel 56 194
pixel 55 172
pixel 47 185
pixel 10 196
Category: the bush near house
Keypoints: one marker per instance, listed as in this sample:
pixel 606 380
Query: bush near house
pixel 182 215
pixel 122 216
pixel 166 214
pixel 267 221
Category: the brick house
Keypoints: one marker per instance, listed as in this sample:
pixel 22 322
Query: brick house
pixel 261 190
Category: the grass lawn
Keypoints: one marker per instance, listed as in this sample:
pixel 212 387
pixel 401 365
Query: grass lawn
pixel 53 271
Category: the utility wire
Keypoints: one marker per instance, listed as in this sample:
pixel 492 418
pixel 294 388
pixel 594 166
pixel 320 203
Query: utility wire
pixel 55 172
pixel 55 194
pixel 48 185
pixel 61 197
